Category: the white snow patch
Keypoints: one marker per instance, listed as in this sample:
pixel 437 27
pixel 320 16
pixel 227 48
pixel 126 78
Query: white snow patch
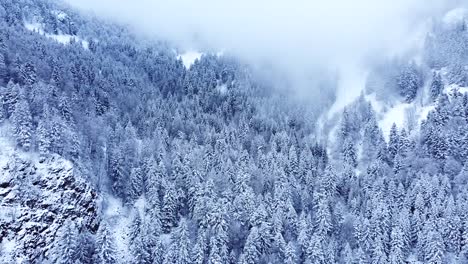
pixel 7 249
pixel 61 38
pixel 463 90
pixel 140 204
pixel 119 224
pixel 85 44
pixel 189 57
pixel 222 89
pixel 35 27
pixel 455 17
pixel 396 115
pixel 64 39
pixel 404 115
pixel 452 88
pixel 424 111
pixel 60 14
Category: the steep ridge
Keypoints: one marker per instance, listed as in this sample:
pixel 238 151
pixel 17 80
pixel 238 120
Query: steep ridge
pixel 37 196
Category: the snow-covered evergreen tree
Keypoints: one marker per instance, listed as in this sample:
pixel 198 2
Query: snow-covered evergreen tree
pixel 66 245
pixel 105 246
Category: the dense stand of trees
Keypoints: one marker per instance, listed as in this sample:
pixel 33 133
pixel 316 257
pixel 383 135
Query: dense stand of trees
pixel 224 178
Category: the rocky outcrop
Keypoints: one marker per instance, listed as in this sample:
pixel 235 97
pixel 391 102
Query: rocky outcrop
pixel 36 198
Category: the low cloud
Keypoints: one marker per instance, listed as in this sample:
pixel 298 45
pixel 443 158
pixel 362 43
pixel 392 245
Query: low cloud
pixel 295 37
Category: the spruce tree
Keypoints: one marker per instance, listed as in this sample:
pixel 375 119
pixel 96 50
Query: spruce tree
pixel 105 246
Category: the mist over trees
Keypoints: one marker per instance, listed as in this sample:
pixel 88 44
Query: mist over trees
pixel 235 175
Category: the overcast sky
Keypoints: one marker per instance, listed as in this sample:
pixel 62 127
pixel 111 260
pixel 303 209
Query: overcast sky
pixel 294 36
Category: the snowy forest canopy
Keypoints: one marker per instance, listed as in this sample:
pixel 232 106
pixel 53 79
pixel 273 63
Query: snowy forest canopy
pixel 212 166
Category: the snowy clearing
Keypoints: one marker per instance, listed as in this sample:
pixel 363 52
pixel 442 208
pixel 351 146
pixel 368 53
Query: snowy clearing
pixel 189 57
pixel 119 224
pixel 64 39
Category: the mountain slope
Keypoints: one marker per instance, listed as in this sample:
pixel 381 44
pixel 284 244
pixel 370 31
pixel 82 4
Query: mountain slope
pixel 114 151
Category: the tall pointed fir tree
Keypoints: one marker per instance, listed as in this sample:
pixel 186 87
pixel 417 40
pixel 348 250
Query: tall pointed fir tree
pixel 22 124
pixel 436 86
pixel 105 249
pixel 169 210
pixel 66 244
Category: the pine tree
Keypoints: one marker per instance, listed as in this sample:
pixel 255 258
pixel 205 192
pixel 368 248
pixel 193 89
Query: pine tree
pixel 135 228
pixel 66 245
pixel 22 124
pixel 360 257
pixel 3 69
pixel 409 82
pixel 349 153
pixel 198 254
pixel 378 255
pixel 154 177
pixel 119 173
pixel 464 238
pixel 214 257
pixel 182 243
pixel 345 126
pixel 304 231
pixel 436 86
pixel 136 183
pixel 243 204
pixel 158 253
pixel 347 254
pixel 290 256
pixel 323 219
pixel 10 96
pixel 435 248
pixel 315 252
pixel 44 135
pixel 153 223
pixel 251 254
pixel 451 229
pixel 43 141
pixel 27 74
pixel 105 251
pixel 372 140
pixel 140 250
pixel 169 208
pixel 86 248
pixel 265 239
pixel 394 142
pixel 396 255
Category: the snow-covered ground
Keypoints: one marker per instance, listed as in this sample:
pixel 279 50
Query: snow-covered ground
pixel 222 89
pixel 60 38
pixel 60 14
pixel 189 57
pixel 7 247
pixel 119 222
pixel 451 89
pixel 395 114
pixel 119 218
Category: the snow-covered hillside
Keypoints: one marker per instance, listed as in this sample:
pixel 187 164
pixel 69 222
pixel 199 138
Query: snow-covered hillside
pixel 127 150
pixel 60 38
pixel 37 196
